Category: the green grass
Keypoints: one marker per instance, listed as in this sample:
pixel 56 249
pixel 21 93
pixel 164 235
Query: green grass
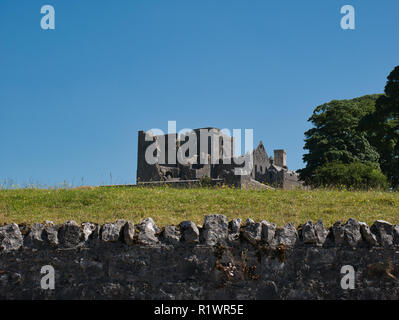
pixel 171 206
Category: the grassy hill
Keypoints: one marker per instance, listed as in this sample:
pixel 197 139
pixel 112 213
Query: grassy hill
pixel 171 206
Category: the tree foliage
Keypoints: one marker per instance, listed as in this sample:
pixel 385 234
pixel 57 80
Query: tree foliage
pixel 337 137
pixel 354 175
pixel 382 127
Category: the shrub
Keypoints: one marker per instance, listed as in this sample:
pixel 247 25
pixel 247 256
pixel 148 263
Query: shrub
pixel 354 175
pixel 205 181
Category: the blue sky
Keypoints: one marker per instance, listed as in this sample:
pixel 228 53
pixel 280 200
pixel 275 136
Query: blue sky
pixel 72 99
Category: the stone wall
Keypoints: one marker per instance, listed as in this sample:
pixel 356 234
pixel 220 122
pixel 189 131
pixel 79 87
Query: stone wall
pixel 218 260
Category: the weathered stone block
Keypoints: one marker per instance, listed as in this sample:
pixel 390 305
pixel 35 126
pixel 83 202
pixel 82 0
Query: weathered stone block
pixel 384 232
pixel 396 235
pixel 234 229
pixel 367 235
pixel 215 229
pixel 111 232
pixel 268 231
pixel 37 235
pixel 10 238
pixel 338 233
pixel 287 235
pixel 171 235
pixel 89 230
pixel 308 233
pixel 190 232
pixel 70 234
pixel 321 232
pixel 128 233
pixel 252 231
pixel 52 232
pixel 352 233
pixel 147 231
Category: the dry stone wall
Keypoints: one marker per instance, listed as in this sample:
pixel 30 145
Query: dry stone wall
pixel 219 260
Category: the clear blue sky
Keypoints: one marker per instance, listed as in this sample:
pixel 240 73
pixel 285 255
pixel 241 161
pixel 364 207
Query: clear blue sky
pixel 72 99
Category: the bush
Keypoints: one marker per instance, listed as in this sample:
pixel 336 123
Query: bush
pixel 205 182
pixel 355 175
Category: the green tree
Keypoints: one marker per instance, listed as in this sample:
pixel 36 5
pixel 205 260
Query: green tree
pixel 354 175
pixel 382 127
pixel 336 135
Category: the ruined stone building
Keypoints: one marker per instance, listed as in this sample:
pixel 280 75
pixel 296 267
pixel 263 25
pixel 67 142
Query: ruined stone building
pixel 264 171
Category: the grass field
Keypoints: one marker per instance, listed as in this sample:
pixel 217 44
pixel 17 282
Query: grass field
pixel 171 206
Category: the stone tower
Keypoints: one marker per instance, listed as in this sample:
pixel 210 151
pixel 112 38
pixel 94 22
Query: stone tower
pixel 280 158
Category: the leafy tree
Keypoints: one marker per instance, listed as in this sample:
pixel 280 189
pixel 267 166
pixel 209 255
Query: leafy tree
pixel 355 175
pixel 336 136
pixel 382 127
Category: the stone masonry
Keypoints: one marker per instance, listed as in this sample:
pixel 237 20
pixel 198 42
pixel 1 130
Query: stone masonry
pixel 219 260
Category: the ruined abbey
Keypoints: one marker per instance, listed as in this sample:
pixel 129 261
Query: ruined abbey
pixel 210 144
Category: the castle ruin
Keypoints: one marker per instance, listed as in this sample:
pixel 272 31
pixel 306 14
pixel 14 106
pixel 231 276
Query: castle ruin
pixel 210 143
